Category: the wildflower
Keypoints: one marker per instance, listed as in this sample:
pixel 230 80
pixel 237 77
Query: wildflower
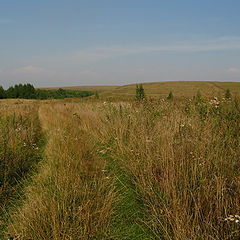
pixel 235 218
pixel 103 151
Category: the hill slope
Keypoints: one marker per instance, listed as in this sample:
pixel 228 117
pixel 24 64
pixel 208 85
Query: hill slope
pixel 179 89
pixel 162 89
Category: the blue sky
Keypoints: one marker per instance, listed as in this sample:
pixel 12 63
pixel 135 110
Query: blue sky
pixel 99 42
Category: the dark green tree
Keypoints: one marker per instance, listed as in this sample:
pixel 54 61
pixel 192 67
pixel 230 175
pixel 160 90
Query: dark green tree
pixel 61 93
pixel 170 96
pixel 2 93
pixel 140 94
pixel 228 94
pixel 10 93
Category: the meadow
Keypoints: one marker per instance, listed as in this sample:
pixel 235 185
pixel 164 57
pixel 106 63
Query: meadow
pixel 113 168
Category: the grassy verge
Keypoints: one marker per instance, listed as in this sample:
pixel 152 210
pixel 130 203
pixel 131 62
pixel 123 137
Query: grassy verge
pixel 165 170
pixel 69 198
pixel 21 143
pixel 129 215
pixel 183 159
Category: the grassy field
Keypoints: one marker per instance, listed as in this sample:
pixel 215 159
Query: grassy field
pixel 121 170
pixel 87 88
pixel 181 89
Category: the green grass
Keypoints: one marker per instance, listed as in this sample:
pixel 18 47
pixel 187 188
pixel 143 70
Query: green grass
pixel 127 221
pixel 21 148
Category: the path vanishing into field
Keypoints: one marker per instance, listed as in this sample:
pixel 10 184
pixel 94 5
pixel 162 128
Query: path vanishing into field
pixel 123 170
pixel 79 192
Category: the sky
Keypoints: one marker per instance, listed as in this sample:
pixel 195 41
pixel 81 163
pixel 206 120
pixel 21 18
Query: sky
pixel 52 43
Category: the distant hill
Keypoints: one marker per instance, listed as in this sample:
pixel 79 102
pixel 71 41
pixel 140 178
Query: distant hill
pixel 179 89
pixel 86 88
pixel 162 89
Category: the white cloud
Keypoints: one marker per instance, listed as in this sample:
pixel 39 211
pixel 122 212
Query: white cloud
pixel 233 70
pixel 106 52
pixel 30 69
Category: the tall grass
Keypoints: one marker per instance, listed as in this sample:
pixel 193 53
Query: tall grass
pixel 20 140
pixel 141 170
pixel 184 159
pixel 71 197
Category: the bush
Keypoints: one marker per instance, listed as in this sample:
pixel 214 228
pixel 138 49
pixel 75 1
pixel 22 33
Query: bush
pixel 228 94
pixel 170 96
pixel 27 91
pixel 140 94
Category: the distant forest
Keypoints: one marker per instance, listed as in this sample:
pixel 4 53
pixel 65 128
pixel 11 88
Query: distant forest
pixel 27 91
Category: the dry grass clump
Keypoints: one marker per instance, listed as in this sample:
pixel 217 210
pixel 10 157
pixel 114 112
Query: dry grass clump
pixel 116 170
pixel 71 197
pixel 20 141
pixel 184 159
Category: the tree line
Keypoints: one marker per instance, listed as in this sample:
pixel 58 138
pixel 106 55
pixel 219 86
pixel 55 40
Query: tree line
pixel 27 91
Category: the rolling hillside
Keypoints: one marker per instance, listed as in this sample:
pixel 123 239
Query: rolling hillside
pixel 86 88
pixel 162 89
pixel 179 89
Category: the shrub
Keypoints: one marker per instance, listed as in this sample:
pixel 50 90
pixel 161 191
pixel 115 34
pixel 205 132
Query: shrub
pixel 140 94
pixel 228 94
pixel 170 96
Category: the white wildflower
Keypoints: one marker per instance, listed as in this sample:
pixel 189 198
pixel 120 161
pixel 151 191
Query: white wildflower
pixel 231 218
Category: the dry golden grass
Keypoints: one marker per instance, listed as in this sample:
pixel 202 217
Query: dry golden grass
pixel 180 89
pixel 183 89
pixel 70 197
pixel 20 141
pixel 184 159
pixel 86 88
pixel 135 170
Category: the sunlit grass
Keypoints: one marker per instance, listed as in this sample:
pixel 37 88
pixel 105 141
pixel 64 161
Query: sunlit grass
pixel 153 169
